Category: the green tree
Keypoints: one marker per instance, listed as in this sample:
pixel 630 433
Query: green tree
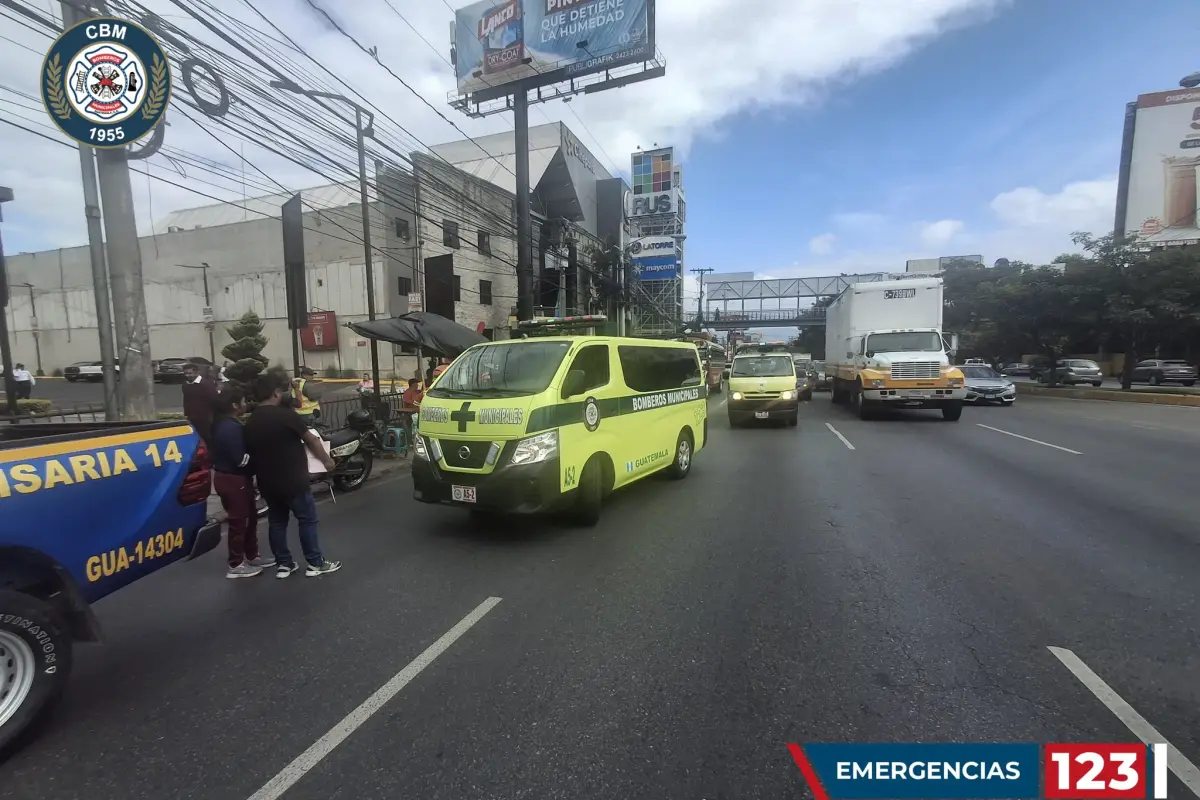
pixel 245 351
pixel 1149 297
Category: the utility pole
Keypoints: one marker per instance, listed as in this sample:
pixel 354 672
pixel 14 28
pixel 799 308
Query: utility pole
pixel 524 221
pixel 91 210
pixel 10 385
pixel 33 324
pixel 125 276
pixel 700 300
pixel 203 266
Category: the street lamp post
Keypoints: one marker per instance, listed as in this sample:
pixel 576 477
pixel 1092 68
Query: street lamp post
pixel 212 347
pixel 364 126
pixel 10 385
pixel 37 344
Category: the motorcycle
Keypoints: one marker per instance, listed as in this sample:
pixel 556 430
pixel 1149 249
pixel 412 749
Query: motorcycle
pixel 353 450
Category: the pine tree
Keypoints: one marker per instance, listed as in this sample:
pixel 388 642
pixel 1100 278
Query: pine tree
pixel 245 351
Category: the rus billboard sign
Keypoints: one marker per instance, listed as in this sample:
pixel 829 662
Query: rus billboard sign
pixel 497 42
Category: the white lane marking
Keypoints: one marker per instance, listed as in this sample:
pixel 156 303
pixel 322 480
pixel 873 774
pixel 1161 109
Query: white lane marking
pixel 296 770
pixel 1185 770
pixel 838 434
pixel 1026 438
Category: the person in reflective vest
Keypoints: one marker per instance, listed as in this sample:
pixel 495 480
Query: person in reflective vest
pixel 303 400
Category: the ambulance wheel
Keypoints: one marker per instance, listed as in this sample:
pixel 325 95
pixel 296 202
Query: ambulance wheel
pixel 794 420
pixel 589 496
pixel 35 662
pixel 682 463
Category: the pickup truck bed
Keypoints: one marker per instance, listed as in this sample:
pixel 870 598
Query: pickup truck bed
pixel 85 509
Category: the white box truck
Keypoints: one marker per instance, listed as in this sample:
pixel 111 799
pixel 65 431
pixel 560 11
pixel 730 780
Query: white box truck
pixel 884 348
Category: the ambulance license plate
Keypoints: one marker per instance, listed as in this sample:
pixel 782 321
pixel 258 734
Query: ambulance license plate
pixel 462 494
pixel 761 414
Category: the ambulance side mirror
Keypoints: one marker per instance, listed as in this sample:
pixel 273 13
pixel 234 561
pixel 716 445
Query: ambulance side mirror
pixel 575 381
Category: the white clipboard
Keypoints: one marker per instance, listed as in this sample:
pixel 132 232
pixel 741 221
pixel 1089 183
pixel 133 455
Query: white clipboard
pixel 315 467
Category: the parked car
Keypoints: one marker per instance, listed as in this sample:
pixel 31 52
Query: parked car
pixel 1157 371
pixel 171 369
pixel 1074 371
pixel 985 385
pixel 1017 370
pixel 90 371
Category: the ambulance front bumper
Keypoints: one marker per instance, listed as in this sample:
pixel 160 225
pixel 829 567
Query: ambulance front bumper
pixel 511 489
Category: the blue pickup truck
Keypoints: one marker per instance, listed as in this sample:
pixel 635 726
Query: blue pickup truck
pixel 85 509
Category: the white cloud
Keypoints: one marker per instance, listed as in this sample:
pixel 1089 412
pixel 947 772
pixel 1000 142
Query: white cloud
pixel 725 57
pixel 1083 205
pixel 857 220
pixel 940 233
pixel 822 245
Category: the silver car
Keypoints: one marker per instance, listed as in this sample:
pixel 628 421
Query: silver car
pixel 985 385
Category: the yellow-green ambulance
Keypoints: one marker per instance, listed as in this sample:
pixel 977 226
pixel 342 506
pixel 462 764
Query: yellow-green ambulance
pixel 558 422
pixel 762 385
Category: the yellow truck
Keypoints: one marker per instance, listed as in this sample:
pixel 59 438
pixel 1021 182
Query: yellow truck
pixel 884 348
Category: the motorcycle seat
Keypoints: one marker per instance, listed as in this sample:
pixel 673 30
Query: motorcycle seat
pixel 344 436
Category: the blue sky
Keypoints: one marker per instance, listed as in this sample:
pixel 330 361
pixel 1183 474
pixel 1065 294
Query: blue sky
pixel 818 137
pixel 1032 98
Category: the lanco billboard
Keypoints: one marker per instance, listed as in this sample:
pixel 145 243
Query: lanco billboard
pixel 1159 168
pixel 497 42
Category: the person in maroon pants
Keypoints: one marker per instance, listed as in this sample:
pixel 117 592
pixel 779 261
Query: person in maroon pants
pixel 234 482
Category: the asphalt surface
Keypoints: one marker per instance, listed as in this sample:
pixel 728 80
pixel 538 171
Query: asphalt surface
pixel 790 590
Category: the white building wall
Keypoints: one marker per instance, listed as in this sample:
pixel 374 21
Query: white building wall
pixel 67 318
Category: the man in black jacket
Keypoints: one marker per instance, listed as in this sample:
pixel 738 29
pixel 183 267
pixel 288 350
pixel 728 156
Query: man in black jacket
pixel 278 442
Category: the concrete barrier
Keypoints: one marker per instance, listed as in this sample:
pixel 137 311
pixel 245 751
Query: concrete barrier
pixel 1118 395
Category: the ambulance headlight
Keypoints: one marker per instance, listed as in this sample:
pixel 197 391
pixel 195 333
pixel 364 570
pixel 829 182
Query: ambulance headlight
pixel 788 395
pixel 536 449
pixel 736 396
pixel 419 447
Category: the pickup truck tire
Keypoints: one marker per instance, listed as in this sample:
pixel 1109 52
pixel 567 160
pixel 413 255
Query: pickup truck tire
pixel 35 663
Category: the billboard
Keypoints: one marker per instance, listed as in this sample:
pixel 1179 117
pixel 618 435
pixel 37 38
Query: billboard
pixel 497 42
pixel 932 265
pixel 649 205
pixel 655 258
pixel 653 171
pixel 1160 167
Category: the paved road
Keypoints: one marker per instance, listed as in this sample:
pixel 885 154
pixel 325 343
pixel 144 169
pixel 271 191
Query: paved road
pixel 791 589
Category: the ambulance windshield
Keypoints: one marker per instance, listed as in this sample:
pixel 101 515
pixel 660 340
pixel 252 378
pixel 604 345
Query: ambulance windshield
pixel 502 370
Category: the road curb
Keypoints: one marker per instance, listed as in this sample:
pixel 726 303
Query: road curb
pixel 1113 395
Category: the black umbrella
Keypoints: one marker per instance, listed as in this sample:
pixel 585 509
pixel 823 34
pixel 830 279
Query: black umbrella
pixel 429 331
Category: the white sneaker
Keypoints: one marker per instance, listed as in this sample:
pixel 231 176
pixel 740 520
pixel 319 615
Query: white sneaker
pixel 283 571
pixel 324 568
pixel 243 570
